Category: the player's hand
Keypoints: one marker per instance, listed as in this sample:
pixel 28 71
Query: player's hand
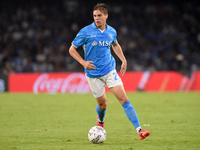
pixel 88 65
pixel 123 68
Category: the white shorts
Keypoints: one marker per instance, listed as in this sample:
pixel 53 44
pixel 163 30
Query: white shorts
pixel 97 85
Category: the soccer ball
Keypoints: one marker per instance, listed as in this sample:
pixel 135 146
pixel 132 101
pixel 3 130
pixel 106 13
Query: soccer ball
pixel 97 134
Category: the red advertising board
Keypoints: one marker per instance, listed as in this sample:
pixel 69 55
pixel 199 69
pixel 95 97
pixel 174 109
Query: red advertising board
pixel 48 82
pixel 76 82
pixel 195 81
pixel 164 81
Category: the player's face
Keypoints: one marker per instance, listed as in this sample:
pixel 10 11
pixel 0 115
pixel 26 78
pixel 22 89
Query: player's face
pixel 100 19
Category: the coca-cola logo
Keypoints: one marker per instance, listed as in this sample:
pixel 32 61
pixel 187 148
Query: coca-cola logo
pixel 73 83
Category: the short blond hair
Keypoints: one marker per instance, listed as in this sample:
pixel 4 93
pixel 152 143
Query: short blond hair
pixel 102 7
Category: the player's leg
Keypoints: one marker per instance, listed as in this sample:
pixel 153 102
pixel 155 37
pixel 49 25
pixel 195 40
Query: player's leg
pixel 120 93
pixel 97 86
pixel 114 83
pixel 101 109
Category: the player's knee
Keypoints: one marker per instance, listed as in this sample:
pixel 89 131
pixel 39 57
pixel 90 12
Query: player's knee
pixel 123 100
pixel 103 106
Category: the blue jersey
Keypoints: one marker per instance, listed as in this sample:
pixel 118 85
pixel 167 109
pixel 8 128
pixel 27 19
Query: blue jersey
pixel 96 45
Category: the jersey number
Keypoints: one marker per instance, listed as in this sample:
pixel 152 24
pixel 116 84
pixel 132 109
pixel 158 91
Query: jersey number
pixel 115 75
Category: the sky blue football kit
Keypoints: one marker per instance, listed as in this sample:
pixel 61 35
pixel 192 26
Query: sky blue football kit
pixel 96 45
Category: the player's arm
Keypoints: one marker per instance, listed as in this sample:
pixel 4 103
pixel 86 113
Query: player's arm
pixel 86 64
pixel 118 51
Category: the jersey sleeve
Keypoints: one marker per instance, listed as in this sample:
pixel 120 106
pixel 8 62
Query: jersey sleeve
pixel 114 37
pixel 79 39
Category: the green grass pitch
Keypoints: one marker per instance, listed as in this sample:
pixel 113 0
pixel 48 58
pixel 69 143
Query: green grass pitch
pixel 62 122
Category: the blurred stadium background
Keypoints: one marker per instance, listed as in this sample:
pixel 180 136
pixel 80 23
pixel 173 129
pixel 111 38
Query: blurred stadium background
pixel 154 35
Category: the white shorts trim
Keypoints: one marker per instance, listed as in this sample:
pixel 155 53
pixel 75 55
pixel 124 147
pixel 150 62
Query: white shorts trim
pixel 97 85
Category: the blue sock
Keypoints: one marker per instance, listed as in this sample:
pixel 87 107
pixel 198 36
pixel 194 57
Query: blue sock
pixel 131 114
pixel 100 113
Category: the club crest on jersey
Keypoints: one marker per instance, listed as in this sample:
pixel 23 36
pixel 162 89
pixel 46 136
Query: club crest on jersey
pixel 110 35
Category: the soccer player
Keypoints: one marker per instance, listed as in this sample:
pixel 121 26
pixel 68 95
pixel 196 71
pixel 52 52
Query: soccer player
pixel 99 65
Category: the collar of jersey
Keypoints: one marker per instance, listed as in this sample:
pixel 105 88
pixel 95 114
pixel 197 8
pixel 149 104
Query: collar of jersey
pixel 95 27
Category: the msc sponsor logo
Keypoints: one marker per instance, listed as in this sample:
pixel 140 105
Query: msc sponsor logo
pixel 101 43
